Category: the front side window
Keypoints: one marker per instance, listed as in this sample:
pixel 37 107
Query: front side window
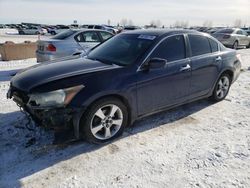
pixel 123 49
pixel 239 32
pixel 199 45
pixel 171 49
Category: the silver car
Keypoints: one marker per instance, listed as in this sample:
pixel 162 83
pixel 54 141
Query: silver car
pixel 31 31
pixel 70 42
pixel 233 38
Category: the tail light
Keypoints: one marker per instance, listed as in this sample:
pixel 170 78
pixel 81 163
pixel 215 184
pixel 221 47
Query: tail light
pixel 51 48
pixel 226 36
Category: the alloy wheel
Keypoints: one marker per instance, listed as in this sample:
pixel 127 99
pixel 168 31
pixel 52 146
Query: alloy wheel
pixel 106 122
pixel 222 87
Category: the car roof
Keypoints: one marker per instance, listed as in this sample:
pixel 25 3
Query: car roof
pixel 160 32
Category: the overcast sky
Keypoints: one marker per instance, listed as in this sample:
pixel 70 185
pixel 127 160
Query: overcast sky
pixel 141 12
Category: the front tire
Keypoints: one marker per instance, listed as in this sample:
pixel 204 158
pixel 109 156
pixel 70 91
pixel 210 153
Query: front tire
pixel 104 121
pixel 221 88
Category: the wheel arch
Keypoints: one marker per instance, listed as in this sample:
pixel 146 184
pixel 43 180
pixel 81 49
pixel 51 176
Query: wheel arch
pixel 228 71
pixel 78 118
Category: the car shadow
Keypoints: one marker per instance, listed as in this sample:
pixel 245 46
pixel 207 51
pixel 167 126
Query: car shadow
pixel 47 155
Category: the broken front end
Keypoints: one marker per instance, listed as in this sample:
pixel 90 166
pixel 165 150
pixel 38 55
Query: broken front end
pixel 50 109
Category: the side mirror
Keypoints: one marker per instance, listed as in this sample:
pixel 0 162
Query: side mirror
pixel 155 63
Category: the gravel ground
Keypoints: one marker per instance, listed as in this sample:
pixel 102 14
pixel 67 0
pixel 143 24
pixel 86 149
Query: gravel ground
pixel 202 144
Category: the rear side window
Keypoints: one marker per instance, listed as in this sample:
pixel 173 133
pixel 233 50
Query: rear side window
pixel 91 37
pixel 87 37
pixel 213 45
pixel 64 34
pixel 239 32
pixel 105 35
pixel 171 49
pixel 98 27
pixel 199 45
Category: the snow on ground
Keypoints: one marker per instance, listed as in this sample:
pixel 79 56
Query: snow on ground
pixel 16 38
pixel 202 144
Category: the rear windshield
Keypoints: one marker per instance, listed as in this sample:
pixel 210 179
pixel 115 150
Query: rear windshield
pixel 229 31
pixel 64 34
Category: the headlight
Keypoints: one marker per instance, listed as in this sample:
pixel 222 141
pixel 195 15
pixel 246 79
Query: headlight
pixel 58 98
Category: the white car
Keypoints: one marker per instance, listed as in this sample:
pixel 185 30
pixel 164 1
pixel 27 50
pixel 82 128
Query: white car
pixel 31 31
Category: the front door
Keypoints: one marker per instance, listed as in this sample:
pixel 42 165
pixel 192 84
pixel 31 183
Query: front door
pixel 165 86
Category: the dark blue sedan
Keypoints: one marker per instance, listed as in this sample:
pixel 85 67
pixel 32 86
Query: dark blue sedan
pixel 130 76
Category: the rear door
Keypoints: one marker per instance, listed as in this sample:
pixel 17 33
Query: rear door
pixel 169 85
pixel 88 39
pixel 205 61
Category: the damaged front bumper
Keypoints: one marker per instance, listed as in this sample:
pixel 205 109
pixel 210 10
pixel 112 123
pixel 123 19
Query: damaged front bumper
pixel 58 119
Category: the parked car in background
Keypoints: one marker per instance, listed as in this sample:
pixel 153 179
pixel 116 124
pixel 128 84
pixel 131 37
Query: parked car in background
pixel 2 26
pixel 69 42
pixel 128 77
pixel 247 29
pixel 130 28
pixel 101 27
pixel 33 30
pixel 233 37
pixel 58 29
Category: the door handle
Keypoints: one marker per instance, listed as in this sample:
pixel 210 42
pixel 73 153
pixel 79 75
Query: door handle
pixel 218 59
pixel 185 68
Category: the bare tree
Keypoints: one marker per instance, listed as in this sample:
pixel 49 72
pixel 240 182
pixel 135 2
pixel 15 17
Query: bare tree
pixel 237 23
pixel 158 23
pixel 130 22
pixel 109 22
pixel 124 21
pixel 208 23
pixel 155 23
pixel 177 24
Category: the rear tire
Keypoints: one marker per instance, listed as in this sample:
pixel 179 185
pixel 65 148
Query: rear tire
pixel 236 45
pixel 21 33
pixel 221 88
pixel 104 121
pixel 248 46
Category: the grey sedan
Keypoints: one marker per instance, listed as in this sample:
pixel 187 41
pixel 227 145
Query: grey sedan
pixel 70 42
pixel 233 38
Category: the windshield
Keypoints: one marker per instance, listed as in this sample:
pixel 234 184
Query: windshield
pixel 64 34
pixel 229 31
pixel 123 49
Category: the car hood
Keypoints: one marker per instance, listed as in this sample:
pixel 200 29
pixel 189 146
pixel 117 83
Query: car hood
pixel 34 76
